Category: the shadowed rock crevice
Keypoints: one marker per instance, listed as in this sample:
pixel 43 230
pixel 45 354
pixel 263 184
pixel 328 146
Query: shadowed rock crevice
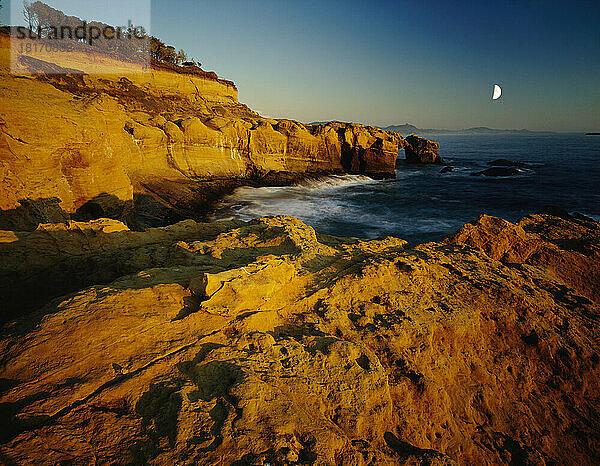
pixel 159 408
pixel 213 379
pixel 31 212
pixel 405 450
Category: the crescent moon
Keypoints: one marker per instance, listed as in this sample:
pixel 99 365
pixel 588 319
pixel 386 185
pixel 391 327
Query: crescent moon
pixel 497 92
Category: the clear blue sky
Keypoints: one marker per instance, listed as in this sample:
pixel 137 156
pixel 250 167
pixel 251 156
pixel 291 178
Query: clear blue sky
pixel 430 63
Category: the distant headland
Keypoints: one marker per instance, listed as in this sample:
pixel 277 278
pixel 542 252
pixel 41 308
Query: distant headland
pixel 411 129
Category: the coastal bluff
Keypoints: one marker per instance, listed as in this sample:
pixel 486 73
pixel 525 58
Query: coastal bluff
pixel 149 146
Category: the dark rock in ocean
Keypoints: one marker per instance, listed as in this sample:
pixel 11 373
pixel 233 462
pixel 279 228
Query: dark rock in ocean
pixel 506 163
pixel 497 171
pixel 555 211
pixel 559 212
pixel 421 150
pixel 447 169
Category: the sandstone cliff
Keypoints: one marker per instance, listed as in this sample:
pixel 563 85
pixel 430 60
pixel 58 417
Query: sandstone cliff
pixel 265 342
pixel 91 144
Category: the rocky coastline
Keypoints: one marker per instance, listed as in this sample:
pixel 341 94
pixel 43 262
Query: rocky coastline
pixel 135 333
pixel 160 145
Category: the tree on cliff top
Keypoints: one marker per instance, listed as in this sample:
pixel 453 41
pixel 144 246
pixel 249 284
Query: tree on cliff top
pixel 166 53
pixel 181 57
pixel 162 52
pixel 31 16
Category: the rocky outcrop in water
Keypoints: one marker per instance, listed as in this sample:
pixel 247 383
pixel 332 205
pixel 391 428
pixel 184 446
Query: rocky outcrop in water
pixel 421 150
pixel 152 148
pixel 265 342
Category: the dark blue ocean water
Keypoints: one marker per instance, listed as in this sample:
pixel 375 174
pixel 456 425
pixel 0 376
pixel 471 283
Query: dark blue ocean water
pixel 423 204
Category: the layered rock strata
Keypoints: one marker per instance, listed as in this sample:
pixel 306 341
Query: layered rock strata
pixel 90 145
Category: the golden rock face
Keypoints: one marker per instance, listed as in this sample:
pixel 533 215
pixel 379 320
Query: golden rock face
pixel 265 342
pixel 565 246
pixel 77 137
pixel 421 150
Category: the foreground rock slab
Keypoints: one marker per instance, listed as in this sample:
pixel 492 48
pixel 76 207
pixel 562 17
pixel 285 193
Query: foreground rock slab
pixel 265 342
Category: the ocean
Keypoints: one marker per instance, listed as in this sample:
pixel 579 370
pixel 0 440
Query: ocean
pixel 422 204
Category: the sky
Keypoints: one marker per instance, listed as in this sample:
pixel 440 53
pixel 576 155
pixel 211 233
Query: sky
pixel 429 63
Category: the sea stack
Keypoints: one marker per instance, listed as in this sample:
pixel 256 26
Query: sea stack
pixel 421 150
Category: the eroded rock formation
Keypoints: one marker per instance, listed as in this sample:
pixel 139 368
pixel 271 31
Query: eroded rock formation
pixel 421 150
pixel 94 142
pixel 566 247
pixel 265 342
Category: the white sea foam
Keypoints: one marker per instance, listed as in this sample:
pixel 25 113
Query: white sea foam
pixel 310 200
pixel 423 204
pixel 334 181
pixel 593 217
